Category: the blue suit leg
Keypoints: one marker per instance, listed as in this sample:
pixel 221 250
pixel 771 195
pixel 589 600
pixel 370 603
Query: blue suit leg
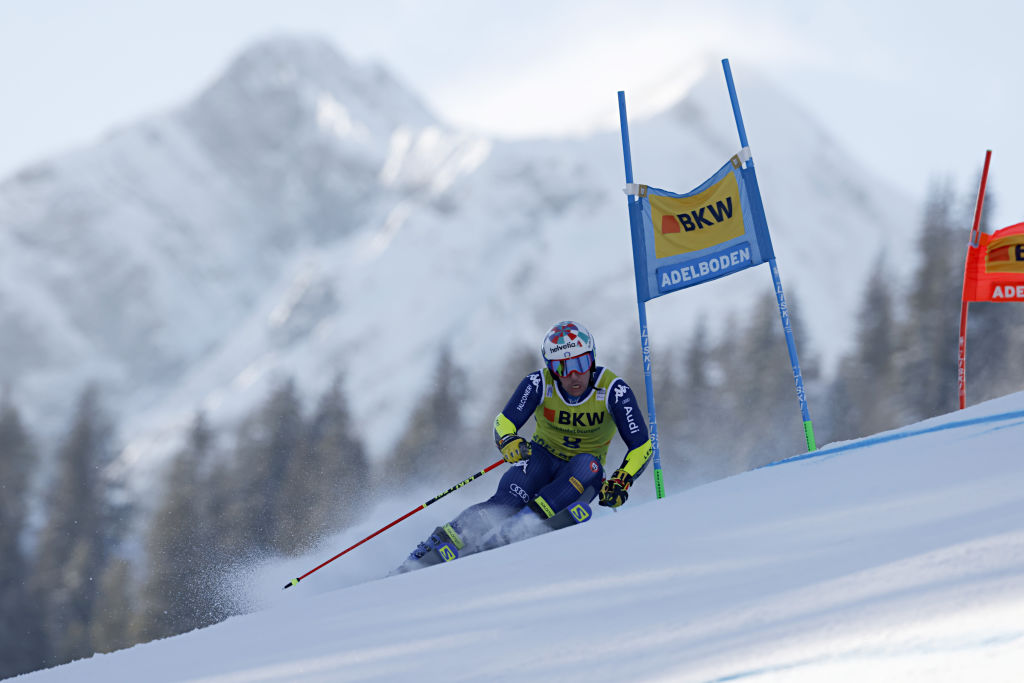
pixel 516 488
pixel 571 480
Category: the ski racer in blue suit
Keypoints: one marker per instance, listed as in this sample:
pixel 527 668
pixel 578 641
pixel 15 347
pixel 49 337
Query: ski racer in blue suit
pixel 579 406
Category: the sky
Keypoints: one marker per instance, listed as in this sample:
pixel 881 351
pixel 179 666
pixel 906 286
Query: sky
pixel 897 557
pixel 918 95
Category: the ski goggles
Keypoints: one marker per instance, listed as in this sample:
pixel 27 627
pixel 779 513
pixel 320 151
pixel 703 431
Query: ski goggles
pixel 566 366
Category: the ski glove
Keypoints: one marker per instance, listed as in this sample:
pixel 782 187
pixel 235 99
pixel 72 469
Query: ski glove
pixel 614 489
pixel 513 448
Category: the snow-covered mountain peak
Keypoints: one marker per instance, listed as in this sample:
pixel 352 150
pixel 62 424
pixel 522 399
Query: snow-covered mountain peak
pixel 284 87
pixel 304 216
pixel 287 58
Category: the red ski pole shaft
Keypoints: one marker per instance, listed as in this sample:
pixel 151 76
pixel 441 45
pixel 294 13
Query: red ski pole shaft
pixel 405 516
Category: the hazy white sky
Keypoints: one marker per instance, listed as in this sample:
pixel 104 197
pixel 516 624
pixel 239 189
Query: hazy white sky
pixel 915 93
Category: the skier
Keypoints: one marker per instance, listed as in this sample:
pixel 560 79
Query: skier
pixel 578 406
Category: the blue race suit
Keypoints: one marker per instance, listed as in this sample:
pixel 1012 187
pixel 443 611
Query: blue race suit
pixel 568 447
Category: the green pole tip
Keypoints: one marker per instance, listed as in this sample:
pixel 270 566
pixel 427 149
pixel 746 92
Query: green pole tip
pixel 809 435
pixel 293 582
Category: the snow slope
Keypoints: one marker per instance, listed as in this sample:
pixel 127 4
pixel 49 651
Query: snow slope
pixel 893 558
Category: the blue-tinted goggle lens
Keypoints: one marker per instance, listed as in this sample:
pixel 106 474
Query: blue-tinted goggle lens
pixel 567 366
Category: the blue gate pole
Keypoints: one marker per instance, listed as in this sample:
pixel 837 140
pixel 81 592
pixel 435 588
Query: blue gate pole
pixel 776 280
pixel 645 340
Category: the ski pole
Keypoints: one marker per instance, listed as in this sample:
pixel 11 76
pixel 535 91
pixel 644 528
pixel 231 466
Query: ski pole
pixel 406 515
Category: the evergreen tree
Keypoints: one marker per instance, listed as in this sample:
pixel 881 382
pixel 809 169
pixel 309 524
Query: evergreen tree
pixel 324 489
pixel 765 421
pixel 434 443
pixel 268 440
pixel 928 360
pixel 707 426
pixel 864 397
pixel 689 409
pixel 114 611
pixel 224 534
pixel 79 535
pixel 180 548
pixel 21 644
pixel 344 488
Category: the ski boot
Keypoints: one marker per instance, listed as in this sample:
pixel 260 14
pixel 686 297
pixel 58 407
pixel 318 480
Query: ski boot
pixel 443 545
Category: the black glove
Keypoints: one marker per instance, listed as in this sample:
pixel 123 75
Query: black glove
pixel 614 489
pixel 513 448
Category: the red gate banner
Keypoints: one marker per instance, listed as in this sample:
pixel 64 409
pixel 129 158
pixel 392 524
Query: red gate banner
pixel 995 266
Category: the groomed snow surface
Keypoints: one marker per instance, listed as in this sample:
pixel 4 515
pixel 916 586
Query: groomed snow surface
pixel 893 558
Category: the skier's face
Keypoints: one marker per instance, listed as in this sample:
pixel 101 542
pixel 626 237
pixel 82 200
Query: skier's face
pixel 575 384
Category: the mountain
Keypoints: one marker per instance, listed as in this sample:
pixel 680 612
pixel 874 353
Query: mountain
pixel 898 557
pixel 307 216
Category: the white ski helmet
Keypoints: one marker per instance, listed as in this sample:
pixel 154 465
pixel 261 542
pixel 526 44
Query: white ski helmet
pixel 568 347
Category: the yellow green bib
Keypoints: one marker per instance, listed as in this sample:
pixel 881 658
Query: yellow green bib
pixel 586 427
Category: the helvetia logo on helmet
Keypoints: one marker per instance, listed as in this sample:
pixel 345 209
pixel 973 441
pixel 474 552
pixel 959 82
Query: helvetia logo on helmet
pixel 562 347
